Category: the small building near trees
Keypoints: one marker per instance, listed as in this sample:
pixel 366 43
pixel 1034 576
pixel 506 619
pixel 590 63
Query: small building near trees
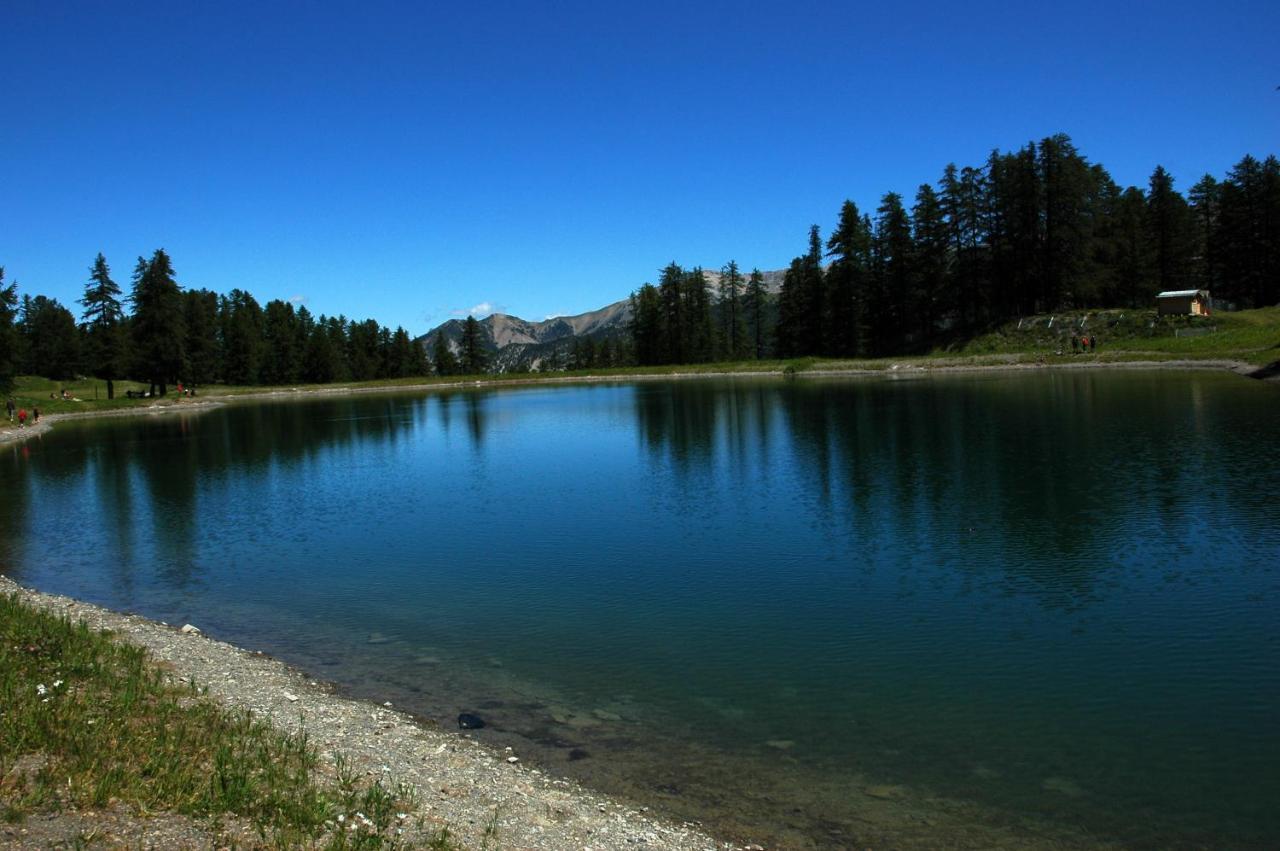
pixel 1184 303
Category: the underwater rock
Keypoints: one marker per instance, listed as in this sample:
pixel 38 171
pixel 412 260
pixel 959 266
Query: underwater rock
pixel 467 721
pixel 577 754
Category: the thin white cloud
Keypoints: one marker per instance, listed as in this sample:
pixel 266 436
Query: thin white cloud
pixel 482 309
pixel 298 299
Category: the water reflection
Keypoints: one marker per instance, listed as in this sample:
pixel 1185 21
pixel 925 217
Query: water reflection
pixel 976 585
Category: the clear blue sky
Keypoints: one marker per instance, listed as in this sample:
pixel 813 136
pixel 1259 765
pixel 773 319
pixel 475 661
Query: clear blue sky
pixel 412 161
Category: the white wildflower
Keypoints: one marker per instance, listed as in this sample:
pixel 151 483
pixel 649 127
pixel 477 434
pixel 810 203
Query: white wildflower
pixel 341 819
pixel 57 683
pixel 40 689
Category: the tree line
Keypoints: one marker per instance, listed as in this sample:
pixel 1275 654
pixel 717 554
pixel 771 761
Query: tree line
pixel 1029 231
pixel 194 336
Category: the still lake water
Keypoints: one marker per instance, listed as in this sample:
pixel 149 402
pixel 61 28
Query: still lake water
pixel 1028 608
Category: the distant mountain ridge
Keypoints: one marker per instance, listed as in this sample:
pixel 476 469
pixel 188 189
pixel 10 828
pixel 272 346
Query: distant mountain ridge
pixel 517 345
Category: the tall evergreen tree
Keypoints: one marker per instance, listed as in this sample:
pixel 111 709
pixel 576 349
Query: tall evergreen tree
pixel 755 310
pixel 203 350
pixel 1066 231
pixel 1206 212
pixel 731 330
pixel 799 329
pixel 243 343
pixel 8 334
pixel 474 358
pixel 965 204
pixel 699 344
pixel 673 330
pixel 1170 234
pixel 443 359
pixel 931 299
pixel 890 294
pixel 52 346
pixel 320 362
pixel 846 283
pixel 402 362
pixel 646 326
pixel 103 326
pixel 1014 205
pixel 158 322
pixel 282 361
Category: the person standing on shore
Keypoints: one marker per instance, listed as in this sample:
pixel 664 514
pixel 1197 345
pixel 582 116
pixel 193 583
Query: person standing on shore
pixel 22 418
pixel 35 415
pixel 8 408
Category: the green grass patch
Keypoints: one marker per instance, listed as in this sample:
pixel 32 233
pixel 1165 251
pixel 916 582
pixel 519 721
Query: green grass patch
pixel 87 721
pixel 1250 336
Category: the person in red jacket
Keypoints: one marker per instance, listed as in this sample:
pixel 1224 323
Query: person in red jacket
pixel 22 418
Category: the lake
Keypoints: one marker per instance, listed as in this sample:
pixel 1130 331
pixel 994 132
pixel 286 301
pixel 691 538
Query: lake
pixel 809 613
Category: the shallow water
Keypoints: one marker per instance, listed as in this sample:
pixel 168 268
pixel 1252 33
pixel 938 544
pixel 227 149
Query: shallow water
pixel 811 613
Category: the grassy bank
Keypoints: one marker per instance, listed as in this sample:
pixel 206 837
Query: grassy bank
pixel 90 722
pixel 1249 336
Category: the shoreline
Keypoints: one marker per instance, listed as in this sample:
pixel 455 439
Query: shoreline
pixel 459 783
pixel 12 434
pixel 488 796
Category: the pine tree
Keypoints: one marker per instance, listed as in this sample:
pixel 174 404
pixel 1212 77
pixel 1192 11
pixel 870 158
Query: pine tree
pixel 402 361
pixel 158 321
pixel 1169 233
pixel 442 356
pixel 892 275
pixel 800 305
pixel 932 256
pixel 8 334
pixel 103 325
pixel 699 344
pixel 964 204
pixel 282 362
pixel 1206 212
pixel 755 308
pixel 731 333
pixel 474 356
pixel 846 283
pixel 204 355
pixel 646 325
pixel 243 344
pixel 673 330
pixel 53 341
pixel 1067 188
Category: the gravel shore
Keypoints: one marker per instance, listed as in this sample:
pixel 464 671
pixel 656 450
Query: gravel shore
pixel 485 798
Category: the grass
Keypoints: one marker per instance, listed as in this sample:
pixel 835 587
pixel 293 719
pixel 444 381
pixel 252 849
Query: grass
pixel 1250 336
pixel 87 721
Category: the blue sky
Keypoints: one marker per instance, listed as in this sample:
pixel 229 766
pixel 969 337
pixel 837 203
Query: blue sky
pixel 413 161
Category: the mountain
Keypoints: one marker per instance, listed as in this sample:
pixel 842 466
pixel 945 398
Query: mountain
pixel 518 345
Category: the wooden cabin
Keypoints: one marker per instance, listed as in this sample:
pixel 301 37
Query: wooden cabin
pixel 1184 303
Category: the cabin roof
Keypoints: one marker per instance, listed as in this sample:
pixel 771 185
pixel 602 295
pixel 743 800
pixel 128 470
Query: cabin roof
pixel 1181 293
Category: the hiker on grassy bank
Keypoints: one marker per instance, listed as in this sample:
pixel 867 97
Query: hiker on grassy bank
pixel 22 418
pixel 8 408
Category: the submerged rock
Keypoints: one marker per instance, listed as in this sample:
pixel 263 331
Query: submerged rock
pixel 467 721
